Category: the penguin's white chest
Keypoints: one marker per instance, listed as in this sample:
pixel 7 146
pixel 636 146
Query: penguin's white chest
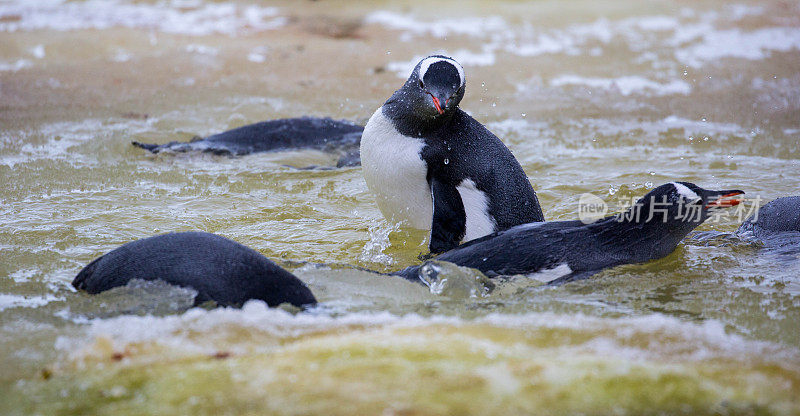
pixel 395 172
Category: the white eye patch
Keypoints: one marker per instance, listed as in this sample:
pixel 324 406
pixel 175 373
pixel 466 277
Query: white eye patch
pixel 427 62
pixel 685 192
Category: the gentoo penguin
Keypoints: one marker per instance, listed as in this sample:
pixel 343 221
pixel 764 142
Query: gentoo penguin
pixel 776 226
pixel 283 134
pixel 779 216
pixel 217 268
pixel 648 230
pixel 230 273
pixel 434 167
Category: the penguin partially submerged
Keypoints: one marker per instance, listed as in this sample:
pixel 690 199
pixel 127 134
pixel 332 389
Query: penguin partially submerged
pixel 776 225
pixel 339 136
pixel 230 273
pixel 648 230
pixel 778 216
pixel 433 166
pixel 219 270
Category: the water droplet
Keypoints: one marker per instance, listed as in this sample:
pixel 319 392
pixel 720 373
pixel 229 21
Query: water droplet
pixel 483 84
pixel 494 104
pixel 703 119
pixel 691 138
pixel 446 161
pixel 685 73
pixel 652 173
pixel 705 139
pixel 523 114
pixel 648 184
pixel 388 52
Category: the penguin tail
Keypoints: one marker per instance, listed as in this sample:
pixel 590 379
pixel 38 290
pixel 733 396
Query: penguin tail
pixel 152 147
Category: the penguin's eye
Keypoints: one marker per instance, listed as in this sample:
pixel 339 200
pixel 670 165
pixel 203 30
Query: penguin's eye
pixel 421 84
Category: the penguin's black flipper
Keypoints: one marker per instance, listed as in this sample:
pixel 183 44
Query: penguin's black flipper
pixel 449 217
pixel 152 147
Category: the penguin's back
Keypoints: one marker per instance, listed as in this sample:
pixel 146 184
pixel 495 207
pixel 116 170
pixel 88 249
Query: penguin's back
pixel 217 268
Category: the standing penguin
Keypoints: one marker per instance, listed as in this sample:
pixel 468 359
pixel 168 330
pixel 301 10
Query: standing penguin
pixel 434 167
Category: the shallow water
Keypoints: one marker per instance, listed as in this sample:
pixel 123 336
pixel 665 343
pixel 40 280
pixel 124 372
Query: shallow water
pixel 610 98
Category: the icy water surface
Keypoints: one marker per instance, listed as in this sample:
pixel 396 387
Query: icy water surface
pixel 610 98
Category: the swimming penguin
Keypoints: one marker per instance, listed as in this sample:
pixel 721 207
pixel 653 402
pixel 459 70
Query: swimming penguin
pixel 649 230
pixel 219 269
pixel 776 226
pixel 283 134
pixel 230 273
pixel 779 216
pixel 434 167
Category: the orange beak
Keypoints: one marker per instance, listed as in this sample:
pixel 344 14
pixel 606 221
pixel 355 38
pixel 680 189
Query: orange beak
pixel 436 104
pixel 725 200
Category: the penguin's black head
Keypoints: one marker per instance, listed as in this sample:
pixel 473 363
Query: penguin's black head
pixel 438 83
pixel 680 203
pixel 656 223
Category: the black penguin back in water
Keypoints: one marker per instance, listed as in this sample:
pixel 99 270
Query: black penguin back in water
pixel 273 135
pixel 219 269
pixel 778 216
pixel 776 226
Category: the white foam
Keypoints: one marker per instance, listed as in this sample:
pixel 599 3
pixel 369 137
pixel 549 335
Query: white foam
pixel 121 56
pixel 11 301
pixel 543 44
pixel 626 85
pixel 38 51
pixel 654 23
pixel 167 16
pixel 517 125
pixel 23 275
pixel 693 37
pixel 734 43
pixel 256 57
pixel 61 137
pixel 15 66
pixel 470 26
pixel 674 121
pixel 202 331
pixel 202 49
